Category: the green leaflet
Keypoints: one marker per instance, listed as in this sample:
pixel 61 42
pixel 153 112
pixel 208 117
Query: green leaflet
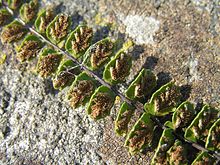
pixel 164 100
pixel 48 62
pixel 14 4
pixel 118 68
pixel 79 40
pixel 58 29
pixel 183 115
pixel 65 74
pixel 100 103
pixel 29 48
pixel 141 134
pixel 166 141
pixel 81 90
pixel 5 17
pixel 177 154
pixel 142 86
pixel 213 139
pixel 204 158
pixel 123 118
pixel 28 11
pixel 199 127
pixel 13 32
pixel 98 54
pixel 44 17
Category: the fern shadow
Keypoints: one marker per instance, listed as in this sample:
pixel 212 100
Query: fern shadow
pixel 59 8
pixel 120 41
pixel 76 20
pixel 199 105
pixel 100 33
pixel 185 90
pixel 157 132
pixel 137 50
pixel 163 78
pixel 150 62
pixel 156 137
pixel 49 89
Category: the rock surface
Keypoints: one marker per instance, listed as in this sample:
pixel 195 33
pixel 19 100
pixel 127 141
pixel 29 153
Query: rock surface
pixel 38 127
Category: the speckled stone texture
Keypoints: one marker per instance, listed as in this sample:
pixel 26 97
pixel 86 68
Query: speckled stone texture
pixel 38 127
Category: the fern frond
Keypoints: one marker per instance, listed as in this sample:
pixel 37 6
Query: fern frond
pixel 79 40
pixel 213 139
pixel 58 29
pixel 28 11
pixel 118 68
pixel 198 129
pixel 164 100
pixel 177 154
pixel 65 74
pixel 81 90
pixel 48 62
pixel 123 118
pixel 14 4
pixel 29 48
pixel 13 32
pixel 68 53
pixel 142 86
pixel 166 141
pixel 183 115
pixel 43 19
pixel 101 103
pixel 204 158
pixel 98 54
pixel 5 16
pixel 141 135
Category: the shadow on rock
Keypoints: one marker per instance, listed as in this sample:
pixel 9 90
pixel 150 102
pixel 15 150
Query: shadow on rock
pixel 137 50
pixel 101 33
pixel 163 78
pixel 185 91
pixel 150 62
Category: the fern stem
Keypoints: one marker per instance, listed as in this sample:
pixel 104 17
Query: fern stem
pixel 139 106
